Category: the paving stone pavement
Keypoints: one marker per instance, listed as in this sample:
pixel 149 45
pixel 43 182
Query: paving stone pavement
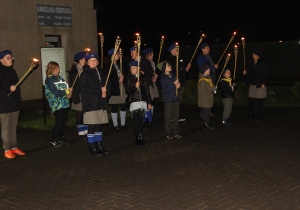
pixel 250 165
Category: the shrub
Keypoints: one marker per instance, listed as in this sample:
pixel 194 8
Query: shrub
pixel 296 89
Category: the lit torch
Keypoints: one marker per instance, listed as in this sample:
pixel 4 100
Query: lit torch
pixel 161 45
pixel 232 37
pixel 34 63
pixel 243 42
pixel 235 56
pixel 102 42
pixel 201 39
pixel 226 62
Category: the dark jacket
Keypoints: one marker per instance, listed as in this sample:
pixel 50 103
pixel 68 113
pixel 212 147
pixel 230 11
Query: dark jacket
pixel 172 60
pixel 76 91
pixel 143 94
pixel 202 59
pixel 226 87
pixel 168 89
pixel 90 88
pixel 148 70
pixel 257 74
pixel 113 78
pixel 12 103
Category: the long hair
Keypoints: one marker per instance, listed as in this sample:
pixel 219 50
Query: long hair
pixel 52 65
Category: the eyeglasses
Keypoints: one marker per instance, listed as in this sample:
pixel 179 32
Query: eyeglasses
pixel 8 58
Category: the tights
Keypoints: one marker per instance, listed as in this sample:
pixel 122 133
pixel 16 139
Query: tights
pixel 260 106
pixel 79 117
pixel 94 128
pixel 138 121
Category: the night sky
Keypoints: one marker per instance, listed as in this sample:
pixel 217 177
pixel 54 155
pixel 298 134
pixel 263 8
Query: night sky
pixel 184 22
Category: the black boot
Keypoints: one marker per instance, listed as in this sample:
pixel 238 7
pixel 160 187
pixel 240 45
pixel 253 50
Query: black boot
pixel 150 125
pixel 63 141
pixel 82 137
pixel 100 149
pixel 137 140
pixel 93 149
pixel 207 127
pixel 141 140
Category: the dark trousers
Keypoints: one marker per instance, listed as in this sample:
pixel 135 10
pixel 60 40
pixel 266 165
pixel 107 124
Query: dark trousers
pixel 260 105
pixel 137 116
pixel 171 117
pixel 61 116
pixel 205 115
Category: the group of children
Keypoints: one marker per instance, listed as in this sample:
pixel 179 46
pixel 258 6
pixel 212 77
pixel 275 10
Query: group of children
pixel 94 91
pixel 90 91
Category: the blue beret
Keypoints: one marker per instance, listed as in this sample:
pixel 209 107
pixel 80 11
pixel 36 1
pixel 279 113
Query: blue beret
pixel 91 55
pixel 257 52
pixel 78 56
pixel 172 47
pixel 204 67
pixel 133 63
pixel 147 50
pixel 111 51
pixel 4 53
pixel 203 45
pixel 132 48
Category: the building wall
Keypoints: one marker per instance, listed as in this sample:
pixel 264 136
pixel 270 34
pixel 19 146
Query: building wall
pixel 21 34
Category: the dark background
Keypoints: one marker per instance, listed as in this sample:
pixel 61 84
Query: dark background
pixel 185 21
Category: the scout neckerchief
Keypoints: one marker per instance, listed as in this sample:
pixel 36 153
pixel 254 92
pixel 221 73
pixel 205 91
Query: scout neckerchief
pixel 206 79
pixel 229 80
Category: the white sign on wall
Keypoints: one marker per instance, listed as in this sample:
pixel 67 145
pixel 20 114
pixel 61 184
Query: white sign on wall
pixel 53 54
pixel 54 16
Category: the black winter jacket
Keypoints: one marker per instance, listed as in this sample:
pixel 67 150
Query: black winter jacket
pixel 113 79
pixel 90 89
pixel 12 103
pixel 133 93
pixel 257 74
pixel 72 75
pixel 227 89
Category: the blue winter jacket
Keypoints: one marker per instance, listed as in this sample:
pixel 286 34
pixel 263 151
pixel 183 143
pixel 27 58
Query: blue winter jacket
pixel 168 89
pixel 56 93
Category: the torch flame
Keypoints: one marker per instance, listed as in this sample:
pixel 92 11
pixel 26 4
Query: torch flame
pixel 35 60
pixel 100 34
pixel 242 38
pixel 235 46
pixel 228 55
pixel 176 43
pixel 137 34
pixel 162 37
pixel 87 50
pixel 234 33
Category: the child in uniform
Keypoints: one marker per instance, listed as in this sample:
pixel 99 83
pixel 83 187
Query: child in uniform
pixel 227 88
pixel 171 101
pixel 206 88
pixel 140 99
